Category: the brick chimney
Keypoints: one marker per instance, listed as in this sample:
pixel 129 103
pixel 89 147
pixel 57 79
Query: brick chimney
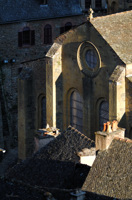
pixel 104 138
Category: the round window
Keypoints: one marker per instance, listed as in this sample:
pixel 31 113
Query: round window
pixel 91 58
pixel 88 59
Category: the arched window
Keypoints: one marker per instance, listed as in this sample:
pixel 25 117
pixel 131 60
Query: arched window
pixel 47 34
pixel 68 26
pixel 76 111
pixel 114 7
pixel 87 3
pixel 26 37
pixel 103 114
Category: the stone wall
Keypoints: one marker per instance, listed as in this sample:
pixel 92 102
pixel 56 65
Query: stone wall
pixel 26 56
pixel 94 87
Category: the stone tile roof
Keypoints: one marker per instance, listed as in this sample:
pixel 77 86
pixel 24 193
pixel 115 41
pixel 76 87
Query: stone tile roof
pixel 55 164
pixel 116 29
pixel 15 10
pixel 111 173
pixel 66 146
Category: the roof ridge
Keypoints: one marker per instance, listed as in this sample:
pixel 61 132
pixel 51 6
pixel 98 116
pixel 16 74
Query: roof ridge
pixel 110 15
pixel 127 140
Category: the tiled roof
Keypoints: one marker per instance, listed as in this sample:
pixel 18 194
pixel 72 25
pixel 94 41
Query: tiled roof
pixel 116 29
pixel 55 164
pixel 111 173
pixel 23 10
pixel 66 146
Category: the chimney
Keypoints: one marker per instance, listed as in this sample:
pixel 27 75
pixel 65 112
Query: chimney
pixel 78 195
pixel 104 138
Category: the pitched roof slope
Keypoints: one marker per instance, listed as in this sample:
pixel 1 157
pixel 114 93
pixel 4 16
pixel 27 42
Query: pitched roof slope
pixel 55 164
pixel 111 173
pixel 116 29
pixel 66 146
pixel 16 10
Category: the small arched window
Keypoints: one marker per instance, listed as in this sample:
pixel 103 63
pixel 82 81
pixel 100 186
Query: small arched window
pixel 76 111
pixel 103 114
pixel 47 34
pixel 68 26
pixel 114 7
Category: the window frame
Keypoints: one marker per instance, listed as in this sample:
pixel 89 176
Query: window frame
pixel 47 34
pixel 26 34
pixel 74 118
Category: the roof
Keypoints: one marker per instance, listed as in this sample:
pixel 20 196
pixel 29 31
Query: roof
pixel 66 146
pixel 111 173
pixel 58 159
pixel 15 10
pixel 116 29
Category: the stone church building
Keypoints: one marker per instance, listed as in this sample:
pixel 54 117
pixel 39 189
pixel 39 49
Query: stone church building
pixel 27 31
pixel 89 75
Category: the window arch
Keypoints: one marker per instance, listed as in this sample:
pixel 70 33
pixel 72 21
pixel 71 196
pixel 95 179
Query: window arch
pixel 48 34
pixel 76 110
pixel 114 7
pixel 103 114
pixel 68 26
pixel 26 37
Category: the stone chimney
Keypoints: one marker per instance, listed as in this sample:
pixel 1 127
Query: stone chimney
pixel 104 138
pixel 78 195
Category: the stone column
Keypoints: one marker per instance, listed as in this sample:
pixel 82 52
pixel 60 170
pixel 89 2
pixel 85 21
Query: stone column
pixel 26 128
pixel 117 96
pixel 88 114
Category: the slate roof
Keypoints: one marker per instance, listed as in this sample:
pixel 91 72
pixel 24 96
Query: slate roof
pixel 111 173
pixel 116 29
pixel 55 164
pixel 66 146
pixel 23 10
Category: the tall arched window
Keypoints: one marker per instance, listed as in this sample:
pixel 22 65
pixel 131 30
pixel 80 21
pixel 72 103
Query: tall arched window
pixel 103 114
pixel 47 34
pixel 68 26
pixel 76 111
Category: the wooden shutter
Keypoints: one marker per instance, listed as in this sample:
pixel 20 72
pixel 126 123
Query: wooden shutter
pixel 20 39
